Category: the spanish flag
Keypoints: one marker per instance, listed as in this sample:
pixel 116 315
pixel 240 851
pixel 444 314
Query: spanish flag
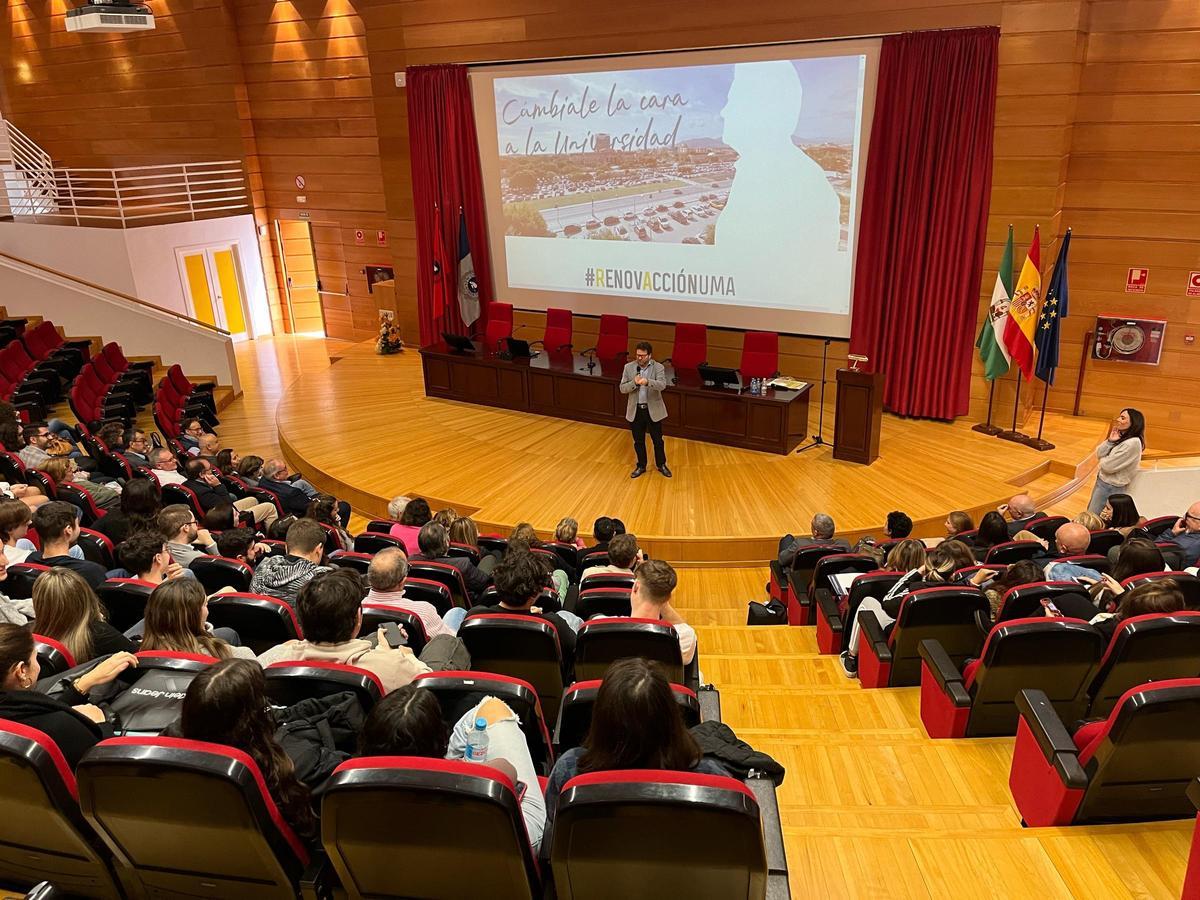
pixel 1023 311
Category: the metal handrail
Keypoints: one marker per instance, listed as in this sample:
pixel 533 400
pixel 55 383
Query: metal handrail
pixel 110 292
pixel 178 190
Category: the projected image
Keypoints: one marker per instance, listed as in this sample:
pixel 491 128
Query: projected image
pixel 686 155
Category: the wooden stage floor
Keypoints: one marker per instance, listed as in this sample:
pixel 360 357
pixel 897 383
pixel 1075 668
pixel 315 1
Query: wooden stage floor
pixel 871 807
pixel 365 423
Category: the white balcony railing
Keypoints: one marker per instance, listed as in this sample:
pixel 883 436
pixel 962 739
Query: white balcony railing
pixel 36 190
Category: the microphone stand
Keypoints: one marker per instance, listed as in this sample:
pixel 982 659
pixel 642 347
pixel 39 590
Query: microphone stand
pixel 817 439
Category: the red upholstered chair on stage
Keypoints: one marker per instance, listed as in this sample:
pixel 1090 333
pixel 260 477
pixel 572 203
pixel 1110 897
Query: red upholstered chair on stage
pixel 760 355
pixel 691 345
pixel 558 330
pixel 499 324
pixel 614 337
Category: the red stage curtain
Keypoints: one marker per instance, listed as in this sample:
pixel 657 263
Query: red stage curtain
pixel 446 179
pixel 924 219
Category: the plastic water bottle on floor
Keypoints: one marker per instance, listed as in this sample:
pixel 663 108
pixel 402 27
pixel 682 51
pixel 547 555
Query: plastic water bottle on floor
pixel 477 742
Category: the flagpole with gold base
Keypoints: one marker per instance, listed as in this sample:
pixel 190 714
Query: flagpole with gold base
pixel 1037 443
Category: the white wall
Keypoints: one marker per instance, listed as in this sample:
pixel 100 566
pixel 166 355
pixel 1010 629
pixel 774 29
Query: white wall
pixel 85 311
pixel 1165 491
pixel 142 261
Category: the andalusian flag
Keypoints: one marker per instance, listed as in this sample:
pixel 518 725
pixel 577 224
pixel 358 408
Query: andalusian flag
pixel 991 335
pixel 1023 311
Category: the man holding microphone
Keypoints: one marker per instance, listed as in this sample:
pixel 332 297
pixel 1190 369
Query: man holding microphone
pixel 644 380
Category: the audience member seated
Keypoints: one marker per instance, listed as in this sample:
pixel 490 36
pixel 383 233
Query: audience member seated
pixel 177 620
pixel 250 469
pixel 1159 596
pixel 653 589
pixel 415 515
pixel 70 719
pixel 294 493
pixel 15 517
pixel 1121 514
pixel 57 525
pixel 206 484
pixel 463 530
pixel 283 576
pixel 67 609
pixel 136 449
pixel 1089 520
pixel 386 575
pixel 445 517
pixel 330 613
pixel 995 585
pixel 64 470
pixel 396 507
pixel 141 500
pixel 241 544
pixel 226 461
pixel 434 544
pixel 1021 511
pixel 822 530
pixel 959 552
pixel 520 578
pixel 190 432
pixel 562 574
pixel 38 439
pixel 899 526
pixel 1070 539
pixel 324 510
pixel 921 570
pixel 409 722
pixel 993 530
pixel 146 556
pixel 220 518
pixel 186 540
pixel 604 530
pixel 1186 533
pixel 164 466
pixel 567 532
pixel 958 522
pixel 636 724
pixel 623 557
pixel 227 704
pixel 1137 556
pixel 210 446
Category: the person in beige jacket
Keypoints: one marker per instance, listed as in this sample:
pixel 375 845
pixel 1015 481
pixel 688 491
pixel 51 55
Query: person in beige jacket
pixel 331 615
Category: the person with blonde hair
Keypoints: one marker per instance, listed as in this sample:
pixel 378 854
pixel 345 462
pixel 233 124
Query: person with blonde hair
pixel 463 530
pixel 67 609
pixel 445 517
pixel 177 620
pixel 1089 520
pixel 64 470
pixel 567 532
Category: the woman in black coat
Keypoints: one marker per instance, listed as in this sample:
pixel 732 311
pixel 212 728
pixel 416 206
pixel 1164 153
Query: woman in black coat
pixel 69 719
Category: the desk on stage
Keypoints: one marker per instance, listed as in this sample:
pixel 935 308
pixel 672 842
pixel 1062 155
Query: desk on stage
pixel 562 385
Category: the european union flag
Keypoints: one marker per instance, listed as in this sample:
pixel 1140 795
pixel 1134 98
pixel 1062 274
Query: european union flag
pixel 1054 310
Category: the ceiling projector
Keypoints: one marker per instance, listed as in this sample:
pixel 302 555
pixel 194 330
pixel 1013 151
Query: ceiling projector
pixel 110 17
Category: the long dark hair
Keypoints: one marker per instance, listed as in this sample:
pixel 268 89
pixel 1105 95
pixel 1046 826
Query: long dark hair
pixel 1124 511
pixel 636 723
pixel 417 512
pixel 1137 556
pixel 992 530
pixel 227 704
pixel 407 722
pixel 1137 426
pixel 16 647
pixel 141 500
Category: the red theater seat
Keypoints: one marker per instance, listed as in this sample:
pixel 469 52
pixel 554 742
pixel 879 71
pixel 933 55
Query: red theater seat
pixel 216 572
pixel 445 574
pixel 124 601
pixel 520 646
pixel 1026 600
pixel 653 833
pixel 835 616
pixel 613 342
pixel 1143 649
pixel 575 717
pixel 469 838
pixel 207 826
pixel 290 682
pixel 1056 656
pixel 1134 765
pixel 261 622
pixel 1010 552
pixel 376 614
pixel 604 641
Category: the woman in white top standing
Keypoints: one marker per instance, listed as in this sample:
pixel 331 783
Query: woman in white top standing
pixel 1120 455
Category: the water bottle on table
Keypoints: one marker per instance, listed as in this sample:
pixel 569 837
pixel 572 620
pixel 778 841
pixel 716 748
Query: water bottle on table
pixel 477 742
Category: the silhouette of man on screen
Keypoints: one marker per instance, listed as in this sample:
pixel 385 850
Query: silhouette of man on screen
pixel 783 219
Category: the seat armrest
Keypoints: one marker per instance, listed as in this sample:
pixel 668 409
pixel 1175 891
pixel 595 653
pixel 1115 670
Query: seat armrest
pixel 710 703
pixel 768 805
pixel 319 881
pixel 828 605
pixel 872 633
pixel 944 672
pixel 1052 738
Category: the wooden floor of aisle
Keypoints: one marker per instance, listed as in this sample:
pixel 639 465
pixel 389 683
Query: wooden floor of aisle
pixel 871 807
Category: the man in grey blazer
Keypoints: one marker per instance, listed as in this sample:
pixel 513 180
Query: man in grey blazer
pixel 643 381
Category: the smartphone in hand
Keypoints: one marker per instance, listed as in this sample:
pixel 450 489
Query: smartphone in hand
pixel 394 635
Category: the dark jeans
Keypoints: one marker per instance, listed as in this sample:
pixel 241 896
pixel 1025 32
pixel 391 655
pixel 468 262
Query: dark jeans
pixel 640 425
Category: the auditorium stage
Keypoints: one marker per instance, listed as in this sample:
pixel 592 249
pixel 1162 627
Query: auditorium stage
pixel 364 428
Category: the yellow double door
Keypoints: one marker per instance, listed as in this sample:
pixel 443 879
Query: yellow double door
pixel 215 288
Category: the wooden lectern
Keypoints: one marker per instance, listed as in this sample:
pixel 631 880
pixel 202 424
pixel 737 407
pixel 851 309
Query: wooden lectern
pixel 859 415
